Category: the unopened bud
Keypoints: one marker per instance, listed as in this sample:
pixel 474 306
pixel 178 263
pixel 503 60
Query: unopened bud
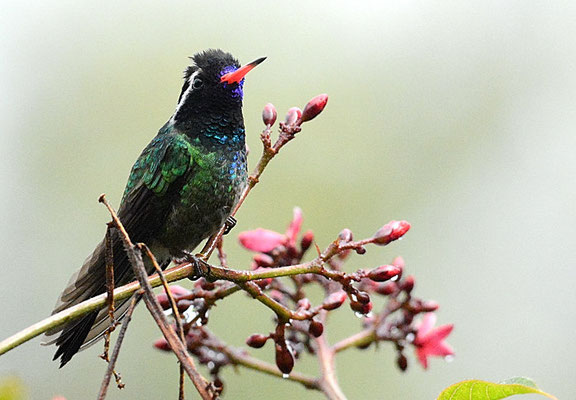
pixel 284 359
pixel 307 240
pixel 293 115
pixel 304 304
pixel 269 114
pixel 393 230
pixel 346 235
pixel 207 285
pixel 361 308
pixel 383 273
pixel 263 283
pixel 363 297
pixel 316 328
pixel 314 107
pixel 402 362
pixel 163 300
pixel 257 341
pixel 387 288
pixel 399 262
pixel 183 305
pixel 407 284
pixel 429 306
pixel 162 344
pixel 263 260
pixel 335 300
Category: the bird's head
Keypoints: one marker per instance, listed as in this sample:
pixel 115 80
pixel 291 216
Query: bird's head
pixel 214 83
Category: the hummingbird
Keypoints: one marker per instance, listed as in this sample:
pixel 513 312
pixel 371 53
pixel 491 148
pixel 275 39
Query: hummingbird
pixel 180 191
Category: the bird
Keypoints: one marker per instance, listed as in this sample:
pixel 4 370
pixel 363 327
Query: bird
pixel 180 191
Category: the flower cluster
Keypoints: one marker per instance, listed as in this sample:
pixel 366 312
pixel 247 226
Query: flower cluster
pixel 298 323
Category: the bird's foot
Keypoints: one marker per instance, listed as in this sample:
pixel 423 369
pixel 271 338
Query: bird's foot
pixel 229 224
pixel 201 268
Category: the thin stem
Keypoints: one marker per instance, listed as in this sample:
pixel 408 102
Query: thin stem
pixel 256 364
pixel 328 382
pixel 116 351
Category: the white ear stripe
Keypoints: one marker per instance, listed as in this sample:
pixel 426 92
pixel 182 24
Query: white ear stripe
pixel 187 92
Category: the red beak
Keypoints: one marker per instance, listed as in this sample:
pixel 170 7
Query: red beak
pixel 240 73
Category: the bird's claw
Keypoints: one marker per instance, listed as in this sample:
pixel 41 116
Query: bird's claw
pixel 229 224
pixel 198 263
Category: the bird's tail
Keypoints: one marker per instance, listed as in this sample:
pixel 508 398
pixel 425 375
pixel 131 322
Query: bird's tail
pixel 87 282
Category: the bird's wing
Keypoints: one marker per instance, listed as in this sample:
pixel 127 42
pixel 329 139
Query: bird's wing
pixel 154 183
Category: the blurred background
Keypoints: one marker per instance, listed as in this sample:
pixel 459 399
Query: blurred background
pixel 456 116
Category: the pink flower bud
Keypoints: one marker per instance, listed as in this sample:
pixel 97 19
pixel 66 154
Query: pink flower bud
pixel 383 273
pixel 304 304
pixel 261 240
pixel 399 262
pixel 393 230
pixel 402 362
pixel 346 235
pixel 387 288
pixel 314 107
pixel 361 308
pixel 162 344
pixel 363 297
pixel 163 300
pixel 316 328
pixel 263 260
pixel 335 300
pixel 293 115
pixel 269 114
pixel 294 227
pixel 284 358
pixel 184 305
pixel 307 240
pixel 429 306
pixel 257 341
pixel 407 284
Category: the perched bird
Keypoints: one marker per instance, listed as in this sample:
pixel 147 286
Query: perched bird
pixel 180 190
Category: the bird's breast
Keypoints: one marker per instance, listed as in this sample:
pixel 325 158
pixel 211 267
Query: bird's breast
pixel 210 191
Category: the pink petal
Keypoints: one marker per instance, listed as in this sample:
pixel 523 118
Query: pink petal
pixel 422 356
pixel 178 290
pixel 437 334
pixel 438 349
pixel 295 225
pixel 261 240
pixel 425 326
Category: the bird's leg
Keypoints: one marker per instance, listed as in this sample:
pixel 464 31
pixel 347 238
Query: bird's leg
pixel 229 224
pixel 197 263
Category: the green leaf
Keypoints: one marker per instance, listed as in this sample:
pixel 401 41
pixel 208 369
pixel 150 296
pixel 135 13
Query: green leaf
pixel 11 388
pixel 482 390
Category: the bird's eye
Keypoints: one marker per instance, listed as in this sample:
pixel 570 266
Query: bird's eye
pixel 198 83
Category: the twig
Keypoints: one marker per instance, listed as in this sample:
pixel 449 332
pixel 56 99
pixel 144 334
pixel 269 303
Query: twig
pixel 116 351
pixel 241 358
pixel 175 311
pixel 328 382
pixel 179 349
pixel 109 299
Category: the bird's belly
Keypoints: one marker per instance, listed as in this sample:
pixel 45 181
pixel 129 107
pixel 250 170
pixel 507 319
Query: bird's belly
pixel 203 208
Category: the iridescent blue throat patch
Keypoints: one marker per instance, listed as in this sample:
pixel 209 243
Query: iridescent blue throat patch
pixel 237 92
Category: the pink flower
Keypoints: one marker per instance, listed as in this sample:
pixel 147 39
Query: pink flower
pixel 429 341
pixel 264 240
pixel 261 240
